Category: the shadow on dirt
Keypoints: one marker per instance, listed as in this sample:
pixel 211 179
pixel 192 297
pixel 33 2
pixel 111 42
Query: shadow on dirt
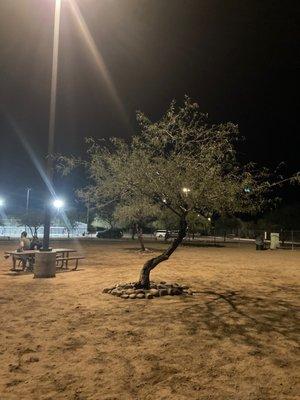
pixel 138 250
pixel 203 244
pixel 251 320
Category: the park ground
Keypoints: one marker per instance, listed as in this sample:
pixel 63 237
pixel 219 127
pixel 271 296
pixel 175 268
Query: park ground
pixel 235 339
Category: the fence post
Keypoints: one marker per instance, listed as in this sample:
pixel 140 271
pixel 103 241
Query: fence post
pixel 292 240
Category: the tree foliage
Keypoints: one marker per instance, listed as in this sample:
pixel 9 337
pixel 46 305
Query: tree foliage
pixel 283 218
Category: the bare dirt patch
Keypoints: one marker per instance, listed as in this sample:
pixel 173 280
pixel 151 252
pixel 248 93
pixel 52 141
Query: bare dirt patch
pixel 235 339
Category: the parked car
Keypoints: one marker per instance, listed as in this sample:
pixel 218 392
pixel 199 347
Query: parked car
pixel 166 234
pixel 160 234
pixel 110 234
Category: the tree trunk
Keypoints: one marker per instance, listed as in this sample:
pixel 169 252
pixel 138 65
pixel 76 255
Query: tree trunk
pixel 30 230
pixel 133 231
pixel 141 239
pixel 144 280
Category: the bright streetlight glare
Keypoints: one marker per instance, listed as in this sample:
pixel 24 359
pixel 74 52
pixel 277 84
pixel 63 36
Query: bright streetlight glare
pixel 186 190
pixel 1 202
pixel 58 203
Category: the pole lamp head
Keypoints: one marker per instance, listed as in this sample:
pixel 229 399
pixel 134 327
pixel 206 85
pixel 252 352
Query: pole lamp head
pixel 58 204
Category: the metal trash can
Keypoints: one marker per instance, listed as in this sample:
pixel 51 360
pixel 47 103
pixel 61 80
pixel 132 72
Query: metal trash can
pixel 274 241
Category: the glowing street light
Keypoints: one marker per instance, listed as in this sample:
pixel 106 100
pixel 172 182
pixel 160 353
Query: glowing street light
pixel 58 204
pixel 2 202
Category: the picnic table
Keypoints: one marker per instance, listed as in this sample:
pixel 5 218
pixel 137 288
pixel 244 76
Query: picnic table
pixel 62 258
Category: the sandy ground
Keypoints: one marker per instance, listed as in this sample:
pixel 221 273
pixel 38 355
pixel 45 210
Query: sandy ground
pixel 236 339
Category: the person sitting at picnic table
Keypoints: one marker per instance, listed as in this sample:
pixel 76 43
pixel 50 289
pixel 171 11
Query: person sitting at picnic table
pixel 24 242
pixel 35 243
pixel 259 242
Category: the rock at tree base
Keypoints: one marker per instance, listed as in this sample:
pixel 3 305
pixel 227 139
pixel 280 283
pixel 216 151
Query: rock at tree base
pixel 163 292
pixel 129 291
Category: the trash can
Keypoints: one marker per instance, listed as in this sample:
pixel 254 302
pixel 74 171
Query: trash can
pixel 274 241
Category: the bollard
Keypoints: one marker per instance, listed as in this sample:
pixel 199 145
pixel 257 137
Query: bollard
pixel 45 265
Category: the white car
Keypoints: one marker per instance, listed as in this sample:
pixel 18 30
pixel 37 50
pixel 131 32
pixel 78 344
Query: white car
pixel 161 234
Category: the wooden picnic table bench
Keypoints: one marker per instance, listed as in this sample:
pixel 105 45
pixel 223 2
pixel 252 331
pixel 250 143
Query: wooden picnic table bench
pixel 24 257
pixel 27 257
pixel 65 261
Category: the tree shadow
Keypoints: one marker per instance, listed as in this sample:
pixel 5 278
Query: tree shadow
pixel 201 244
pixel 138 250
pixel 251 320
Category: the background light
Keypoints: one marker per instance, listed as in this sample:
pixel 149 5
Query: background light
pixel 186 190
pixel 2 202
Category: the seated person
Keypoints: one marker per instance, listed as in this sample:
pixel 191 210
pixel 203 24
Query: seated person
pixel 259 242
pixel 24 245
pixel 35 244
pixel 24 242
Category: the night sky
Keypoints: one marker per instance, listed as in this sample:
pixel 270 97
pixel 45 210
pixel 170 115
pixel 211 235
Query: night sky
pixel 237 59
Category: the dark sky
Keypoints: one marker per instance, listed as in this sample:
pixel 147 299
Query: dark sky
pixel 238 59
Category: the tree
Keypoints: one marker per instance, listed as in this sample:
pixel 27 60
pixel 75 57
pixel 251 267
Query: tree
pixel 33 220
pixel 284 218
pixel 227 223
pixel 197 222
pixel 181 163
pixel 137 215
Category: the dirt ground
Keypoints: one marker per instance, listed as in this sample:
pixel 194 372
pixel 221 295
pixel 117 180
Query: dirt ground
pixel 236 339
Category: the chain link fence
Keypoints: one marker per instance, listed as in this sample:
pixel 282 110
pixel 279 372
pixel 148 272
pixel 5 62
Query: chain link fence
pixel 289 239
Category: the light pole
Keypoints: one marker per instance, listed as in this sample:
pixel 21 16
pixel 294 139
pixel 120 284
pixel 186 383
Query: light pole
pixel 88 215
pixel 2 213
pixel 49 169
pixel 27 199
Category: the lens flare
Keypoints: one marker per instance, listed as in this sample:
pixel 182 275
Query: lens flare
pixel 98 59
